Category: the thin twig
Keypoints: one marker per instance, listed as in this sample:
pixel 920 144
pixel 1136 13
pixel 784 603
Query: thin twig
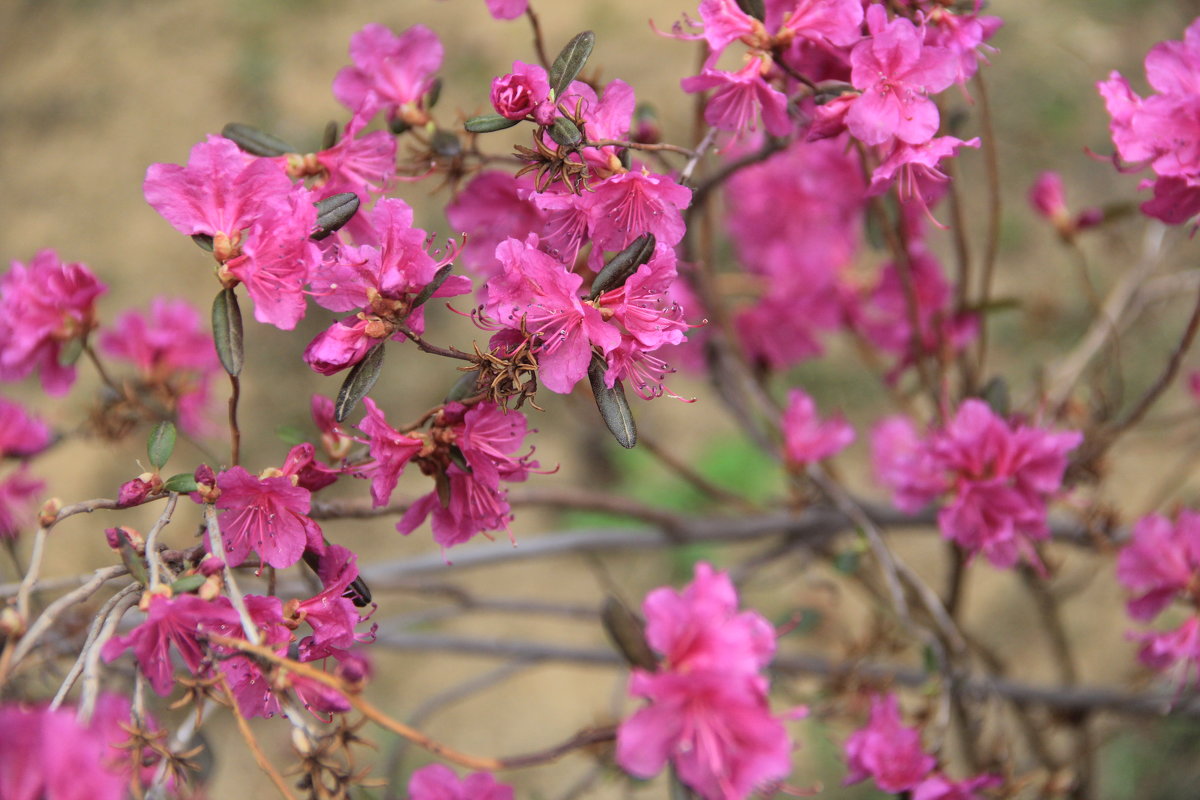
pixel 157 568
pixel 235 433
pixel 217 546
pixel 260 757
pixel 52 612
pixel 91 642
pixel 91 665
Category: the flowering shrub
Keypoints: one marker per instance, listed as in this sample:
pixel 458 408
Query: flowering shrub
pixel 815 211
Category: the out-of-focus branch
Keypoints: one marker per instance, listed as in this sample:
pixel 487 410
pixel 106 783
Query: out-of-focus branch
pixel 1069 700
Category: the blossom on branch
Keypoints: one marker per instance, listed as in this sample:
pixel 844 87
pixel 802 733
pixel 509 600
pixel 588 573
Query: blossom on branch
pixel 438 782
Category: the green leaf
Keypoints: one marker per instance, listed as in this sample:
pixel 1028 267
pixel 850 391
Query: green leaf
pixel 161 443
pixel 489 123
pixel 571 61
pixel 187 584
pixel 565 133
pixel 183 483
pixel 847 561
pixel 754 8
pixel 438 279
pixel 628 634
pixel 256 142
pixel 133 562
pixel 227 331
pixel 360 380
pixel 330 137
pixel 623 264
pixel 203 241
pixel 614 408
pixel 463 387
pixel 333 212
pixel 71 350
pixel 290 435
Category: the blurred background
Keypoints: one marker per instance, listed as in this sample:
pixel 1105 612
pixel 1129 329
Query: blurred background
pixel 94 91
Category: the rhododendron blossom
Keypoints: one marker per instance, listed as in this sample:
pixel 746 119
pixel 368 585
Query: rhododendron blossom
pixel 996 478
pixel 267 515
pixel 805 437
pixel 391 72
pixel 44 306
pixel 438 782
pixel 708 710
pixel 886 751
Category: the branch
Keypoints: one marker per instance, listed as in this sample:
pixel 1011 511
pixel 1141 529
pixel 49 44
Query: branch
pixel 1069 700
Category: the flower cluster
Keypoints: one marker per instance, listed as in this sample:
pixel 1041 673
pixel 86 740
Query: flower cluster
pixel 995 478
pixel 1160 565
pixel 892 756
pixel 1162 130
pixel 707 711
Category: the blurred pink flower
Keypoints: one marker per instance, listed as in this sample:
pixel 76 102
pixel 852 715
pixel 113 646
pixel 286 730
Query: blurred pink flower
pixel 808 438
pixel 43 307
pixel 741 98
pixel 886 751
pixel 21 434
pixel 438 782
pixel 390 72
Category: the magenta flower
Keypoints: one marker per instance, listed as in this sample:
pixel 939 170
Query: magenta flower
pixel 21 434
pixel 1177 649
pixel 220 193
pixel 628 204
pixel 331 615
pixel 996 478
pixel 266 515
pixel 43 307
pixel 506 9
pixel 180 621
pixel 896 71
pixel 19 493
pixel 939 787
pixel 962 33
pixel 537 294
pixel 390 72
pixel 741 98
pixel 491 208
pixel 708 711
pixel 808 438
pixel 365 165
pixel 390 452
pixel 887 751
pixel 524 92
pixel 49 755
pixel 1161 561
pixel 1163 129
pixel 277 259
pixel 173 353
pixel 438 782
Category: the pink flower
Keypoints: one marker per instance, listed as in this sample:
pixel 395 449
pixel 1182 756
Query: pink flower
pixel 537 292
pixel 178 621
pixel 741 98
pixel 21 434
pixel 330 613
pixel 390 72
pixel 1177 649
pixel 1162 129
pixel 708 711
pixel 628 204
pixel 807 438
pixel 49 755
pixel 939 787
pixel 522 93
pixel 219 193
pixel 390 452
pixel 962 33
pixel 44 307
pixel 998 478
pixel 19 492
pixel 277 259
pixel 491 208
pixel 438 782
pixel 173 353
pixel 887 751
pixel 266 515
pixel 895 71
pixel 1160 562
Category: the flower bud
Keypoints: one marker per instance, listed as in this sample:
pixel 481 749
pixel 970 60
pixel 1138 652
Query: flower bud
pixel 513 96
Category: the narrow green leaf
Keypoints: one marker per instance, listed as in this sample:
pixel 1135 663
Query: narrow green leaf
pixel 187 584
pixel 183 483
pixel 847 561
pixel 161 444
pixel 628 634
pixel 227 331
pixel 203 241
pixel 438 279
pixel 434 94
pixel 255 142
pixel 489 123
pixel 565 133
pixel 134 562
pixel 614 408
pixel 333 212
pixel 330 137
pixel 571 61
pixel 755 8
pixel 995 394
pixel 360 380
pixel 399 126
pixel 71 350
pixel 623 264
pixel 463 387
